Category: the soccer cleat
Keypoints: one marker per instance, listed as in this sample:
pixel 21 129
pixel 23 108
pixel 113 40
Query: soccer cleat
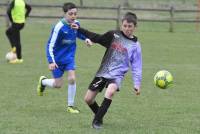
pixel 97 124
pixel 40 87
pixel 13 49
pixel 16 61
pixel 72 110
pixel 101 121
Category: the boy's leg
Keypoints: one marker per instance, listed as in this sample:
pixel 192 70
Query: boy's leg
pixel 71 92
pixel 52 83
pixel 18 44
pixel 112 88
pixel 17 38
pixel 9 34
pixel 90 100
pixel 96 86
pixel 55 82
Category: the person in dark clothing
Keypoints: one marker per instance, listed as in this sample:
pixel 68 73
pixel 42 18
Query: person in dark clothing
pixel 17 13
pixel 123 51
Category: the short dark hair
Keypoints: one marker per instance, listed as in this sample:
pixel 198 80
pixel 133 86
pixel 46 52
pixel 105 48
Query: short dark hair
pixel 130 17
pixel 67 6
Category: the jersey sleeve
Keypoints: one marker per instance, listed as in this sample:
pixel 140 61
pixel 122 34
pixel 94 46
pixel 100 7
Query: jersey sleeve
pixel 136 66
pixel 55 34
pixel 10 7
pixel 79 34
pixel 103 39
pixel 28 9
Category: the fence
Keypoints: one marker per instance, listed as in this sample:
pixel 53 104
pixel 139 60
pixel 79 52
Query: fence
pixel 171 19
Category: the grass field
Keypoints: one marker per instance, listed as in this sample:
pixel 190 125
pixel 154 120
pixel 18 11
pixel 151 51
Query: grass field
pixel 172 111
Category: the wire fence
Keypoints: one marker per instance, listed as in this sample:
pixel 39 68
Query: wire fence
pixel 171 16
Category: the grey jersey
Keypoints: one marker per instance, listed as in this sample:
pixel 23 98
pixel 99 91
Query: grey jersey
pixel 115 62
pixel 120 53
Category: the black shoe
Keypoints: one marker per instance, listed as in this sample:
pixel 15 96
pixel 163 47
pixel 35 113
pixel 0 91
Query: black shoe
pixel 101 121
pixel 97 124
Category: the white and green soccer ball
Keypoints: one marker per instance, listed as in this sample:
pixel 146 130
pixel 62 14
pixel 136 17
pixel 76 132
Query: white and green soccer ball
pixel 10 56
pixel 163 79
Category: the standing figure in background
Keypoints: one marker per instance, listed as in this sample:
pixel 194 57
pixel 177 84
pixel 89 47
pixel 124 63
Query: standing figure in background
pixel 17 12
pixel 61 49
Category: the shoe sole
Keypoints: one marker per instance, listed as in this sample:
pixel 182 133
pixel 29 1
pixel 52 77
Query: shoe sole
pixel 97 127
pixel 73 112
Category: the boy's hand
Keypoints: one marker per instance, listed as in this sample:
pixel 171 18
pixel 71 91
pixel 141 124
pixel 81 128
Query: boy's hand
pixel 74 26
pixel 88 42
pixel 137 91
pixel 52 66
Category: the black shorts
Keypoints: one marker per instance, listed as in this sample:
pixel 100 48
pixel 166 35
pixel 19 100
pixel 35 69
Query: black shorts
pixel 99 83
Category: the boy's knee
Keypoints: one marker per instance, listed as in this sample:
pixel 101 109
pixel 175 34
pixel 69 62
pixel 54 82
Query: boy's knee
pixel 112 88
pixel 57 85
pixel 109 94
pixel 71 80
pixel 88 100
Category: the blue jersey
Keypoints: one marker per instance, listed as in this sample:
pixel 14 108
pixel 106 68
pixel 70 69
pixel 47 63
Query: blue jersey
pixel 61 46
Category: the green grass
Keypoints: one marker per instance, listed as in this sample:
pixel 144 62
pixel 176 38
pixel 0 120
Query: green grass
pixel 171 111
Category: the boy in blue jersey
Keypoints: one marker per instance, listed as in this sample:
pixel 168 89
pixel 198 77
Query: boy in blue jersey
pixel 60 50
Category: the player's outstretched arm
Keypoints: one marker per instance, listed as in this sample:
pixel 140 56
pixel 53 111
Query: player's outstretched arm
pixel 91 35
pixel 102 39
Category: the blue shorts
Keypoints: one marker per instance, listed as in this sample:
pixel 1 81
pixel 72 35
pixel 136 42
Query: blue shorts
pixel 58 72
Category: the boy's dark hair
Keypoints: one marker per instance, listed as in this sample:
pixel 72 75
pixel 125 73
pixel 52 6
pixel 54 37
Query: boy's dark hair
pixel 130 17
pixel 67 6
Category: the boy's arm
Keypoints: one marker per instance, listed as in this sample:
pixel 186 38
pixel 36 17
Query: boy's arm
pixel 55 34
pixel 136 68
pixel 81 36
pixel 10 7
pixel 28 9
pixel 104 40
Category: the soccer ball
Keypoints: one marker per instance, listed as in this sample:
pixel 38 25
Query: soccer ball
pixel 163 79
pixel 11 56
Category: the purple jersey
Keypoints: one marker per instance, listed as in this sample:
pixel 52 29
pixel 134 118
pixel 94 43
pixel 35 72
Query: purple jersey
pixel 122 52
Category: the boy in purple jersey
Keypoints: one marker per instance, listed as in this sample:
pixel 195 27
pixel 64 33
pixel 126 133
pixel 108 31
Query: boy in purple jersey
pixel 61 49
pixel 122 50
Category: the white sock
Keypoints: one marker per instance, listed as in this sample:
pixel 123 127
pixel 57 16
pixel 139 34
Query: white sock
pixel 48 82
pixel 71 94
